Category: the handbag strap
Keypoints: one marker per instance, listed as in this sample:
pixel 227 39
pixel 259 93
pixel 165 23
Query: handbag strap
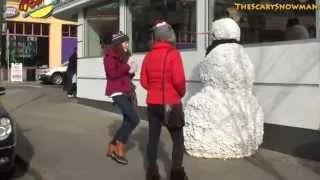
pixel 163 75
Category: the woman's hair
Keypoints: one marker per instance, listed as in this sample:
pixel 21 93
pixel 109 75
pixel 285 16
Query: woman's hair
pixel 124 55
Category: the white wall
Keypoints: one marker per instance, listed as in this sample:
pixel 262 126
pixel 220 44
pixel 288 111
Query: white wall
pixel 287 75
pixel 287 81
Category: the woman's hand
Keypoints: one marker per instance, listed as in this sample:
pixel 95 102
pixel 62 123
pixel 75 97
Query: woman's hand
pixel 133 66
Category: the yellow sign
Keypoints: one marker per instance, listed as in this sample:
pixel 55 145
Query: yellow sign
pixel 41 12
pixel 38 9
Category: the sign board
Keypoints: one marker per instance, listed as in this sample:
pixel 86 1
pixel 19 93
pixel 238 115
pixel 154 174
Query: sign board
pixel 10 12
pixel 37 8
pixel 16 72
pixel 26 4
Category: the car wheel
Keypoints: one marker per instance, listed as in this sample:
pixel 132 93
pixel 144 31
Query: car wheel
pixel 57 78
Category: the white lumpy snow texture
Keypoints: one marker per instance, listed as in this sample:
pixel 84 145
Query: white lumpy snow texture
pixel 224 120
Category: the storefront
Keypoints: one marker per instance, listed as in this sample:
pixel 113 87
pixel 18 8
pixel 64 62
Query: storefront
pixel 287 67
pixel 35 38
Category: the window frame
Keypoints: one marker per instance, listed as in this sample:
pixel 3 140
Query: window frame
pixel 41 34
pixel 86 26
pixel 69 32
pixel 201 10
pixel 257 44
pixel 202 27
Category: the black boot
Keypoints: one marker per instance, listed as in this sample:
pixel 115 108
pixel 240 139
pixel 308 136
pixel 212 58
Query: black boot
pixel 178 174
pixel 153 173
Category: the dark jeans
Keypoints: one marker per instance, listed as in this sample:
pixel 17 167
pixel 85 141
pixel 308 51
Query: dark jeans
pixel 155 116
pixel 130 118
pixel 70 87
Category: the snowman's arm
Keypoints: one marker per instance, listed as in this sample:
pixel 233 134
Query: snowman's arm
pixel 178 78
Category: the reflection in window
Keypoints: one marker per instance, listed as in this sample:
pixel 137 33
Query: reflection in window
pixel 180 14
pixel 269 26
pixel 102 22
pixel 28 50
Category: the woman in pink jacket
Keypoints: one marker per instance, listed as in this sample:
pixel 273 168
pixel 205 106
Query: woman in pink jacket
pixel 120 89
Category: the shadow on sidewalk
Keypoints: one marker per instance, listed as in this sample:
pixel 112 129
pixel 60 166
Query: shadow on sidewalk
pixel 24 154
pixel 309 151
pixel 261 162
pixel 311 156
pixel 139 138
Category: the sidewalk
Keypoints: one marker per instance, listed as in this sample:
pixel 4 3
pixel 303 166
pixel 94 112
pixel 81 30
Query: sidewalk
pixel 69 142
pixel 21 84
pixel 265 165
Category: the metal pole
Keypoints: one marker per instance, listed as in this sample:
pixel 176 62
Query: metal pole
pixel 1 29
pixel 8 53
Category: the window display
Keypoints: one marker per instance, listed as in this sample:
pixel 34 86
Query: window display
pixel 261 25
pixel 180 14
pixel 102 22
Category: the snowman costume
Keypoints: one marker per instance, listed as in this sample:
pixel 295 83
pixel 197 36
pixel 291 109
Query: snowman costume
pixel 224 120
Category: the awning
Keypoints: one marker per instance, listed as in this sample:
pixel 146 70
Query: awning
pixel 69 9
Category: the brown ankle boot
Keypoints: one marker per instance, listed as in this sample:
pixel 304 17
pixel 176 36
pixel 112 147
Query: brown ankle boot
pixel 111 150
pixel 120 154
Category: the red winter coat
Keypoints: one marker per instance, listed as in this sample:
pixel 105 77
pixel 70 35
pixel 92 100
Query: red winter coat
pixel 151 74
pixel 117 73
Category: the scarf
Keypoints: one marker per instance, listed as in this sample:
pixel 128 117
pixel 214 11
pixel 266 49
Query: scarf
pixel 218 42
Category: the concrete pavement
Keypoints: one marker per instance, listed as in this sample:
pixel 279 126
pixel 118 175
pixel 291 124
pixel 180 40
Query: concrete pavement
pixel 67 141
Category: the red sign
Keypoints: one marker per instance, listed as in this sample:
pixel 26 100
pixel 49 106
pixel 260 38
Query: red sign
pixel 26 4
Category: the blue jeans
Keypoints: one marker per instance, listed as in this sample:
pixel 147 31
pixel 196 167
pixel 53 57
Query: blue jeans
pixel 130 118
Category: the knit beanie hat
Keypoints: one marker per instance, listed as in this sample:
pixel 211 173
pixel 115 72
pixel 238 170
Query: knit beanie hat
pixel 163 31
pixel 119 38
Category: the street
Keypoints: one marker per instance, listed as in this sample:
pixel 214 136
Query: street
pixel 63 140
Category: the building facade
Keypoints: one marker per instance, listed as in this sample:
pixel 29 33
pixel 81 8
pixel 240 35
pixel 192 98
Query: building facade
pixel 34 37
pixel 286 64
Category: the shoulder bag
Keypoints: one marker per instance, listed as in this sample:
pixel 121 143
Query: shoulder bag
pixel 173 115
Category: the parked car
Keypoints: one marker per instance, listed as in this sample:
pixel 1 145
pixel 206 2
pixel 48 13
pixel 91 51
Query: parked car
pixel 54 75
pixel 7 141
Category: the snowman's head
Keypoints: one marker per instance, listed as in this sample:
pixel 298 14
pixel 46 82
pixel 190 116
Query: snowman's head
pixel 225 28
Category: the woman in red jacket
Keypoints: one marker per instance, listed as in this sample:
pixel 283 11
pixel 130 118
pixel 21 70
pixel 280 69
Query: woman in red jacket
pixel 119 88
pixel 174 89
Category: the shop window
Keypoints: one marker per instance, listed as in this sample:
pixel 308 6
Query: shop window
pixel 180 14
pixel 69 30
pixel 11 27
pixel 102 22
pixel 19 28
pixel 45 29
pixel 28 28
pixel 65 30
pixel 266 25
pixel 73 31
pixel 36 29
pixel 29 50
